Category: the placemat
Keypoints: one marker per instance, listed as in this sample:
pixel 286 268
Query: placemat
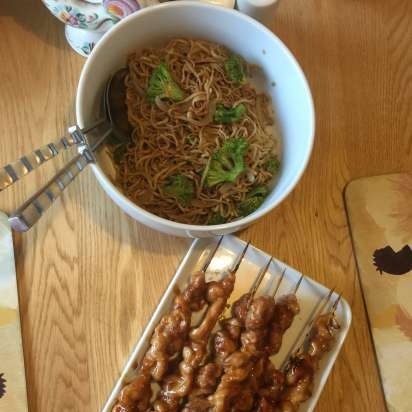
pixel 12 377
pixel 380 216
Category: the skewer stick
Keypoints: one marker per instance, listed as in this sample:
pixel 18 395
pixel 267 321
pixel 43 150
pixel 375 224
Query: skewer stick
pixel 232 271
pixel 319 312
pixel 240 258
pixel 258 281
pixel 307 329
pixel 199 337
pixel 279 282
pixel 211 256
pixel 298 284
pixel 335 305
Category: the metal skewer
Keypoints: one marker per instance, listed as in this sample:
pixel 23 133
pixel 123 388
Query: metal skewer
pixel 306 330
pixel 233 271
pixel 240 258
pixel 211 256
pixel 335 305
pixel 319 312
pixel 255 285
pixel 279 282
pixel 298 284
pixel 204 333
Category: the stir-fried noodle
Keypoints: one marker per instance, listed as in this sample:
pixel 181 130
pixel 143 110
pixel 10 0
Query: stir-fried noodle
pixel 177 140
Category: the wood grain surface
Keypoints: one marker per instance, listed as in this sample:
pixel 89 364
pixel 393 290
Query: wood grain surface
pixel 89 277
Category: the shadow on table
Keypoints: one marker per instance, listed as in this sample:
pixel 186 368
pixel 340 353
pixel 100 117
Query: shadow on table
pixel 34 17
pixel 100 213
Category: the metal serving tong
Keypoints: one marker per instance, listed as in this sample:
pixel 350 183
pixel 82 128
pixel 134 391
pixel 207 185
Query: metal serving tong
pixel 114 121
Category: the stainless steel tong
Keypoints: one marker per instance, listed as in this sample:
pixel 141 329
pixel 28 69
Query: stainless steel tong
pixel 25 216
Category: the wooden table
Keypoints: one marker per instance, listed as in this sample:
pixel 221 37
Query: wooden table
pixel 89 276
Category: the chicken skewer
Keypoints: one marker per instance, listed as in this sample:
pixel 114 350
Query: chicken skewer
pixel 263 371
pixel 286 309
pixel 307 328
pixel 294 386
pixel 224 342
pixel 300 372
pixel 166 342
pixel 318 340
pixel 178 385
pixel 244 368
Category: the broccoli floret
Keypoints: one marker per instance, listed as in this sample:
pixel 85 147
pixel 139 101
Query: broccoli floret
pixel 225 115
pixel 234 69
pixel 217 219
pixel 181 187
pixel 272 165
pixel 227 162
pixel 253 200
pixel 162 84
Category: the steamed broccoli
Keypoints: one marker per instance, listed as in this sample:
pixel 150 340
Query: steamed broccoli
pixel 272 165
pixel 217 219
pixel 253 200
pixel 227 162
pixel 224 115
pixel 161 84
pixel 234 69
pixel 180 187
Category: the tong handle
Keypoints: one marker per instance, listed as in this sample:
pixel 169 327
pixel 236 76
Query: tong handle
pixel 14 171
pixel 31 210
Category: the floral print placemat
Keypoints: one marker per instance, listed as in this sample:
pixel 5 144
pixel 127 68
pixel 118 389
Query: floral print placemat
pixel 13 396
pixel 380 215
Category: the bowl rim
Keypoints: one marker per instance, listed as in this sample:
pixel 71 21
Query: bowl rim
pixel 129 204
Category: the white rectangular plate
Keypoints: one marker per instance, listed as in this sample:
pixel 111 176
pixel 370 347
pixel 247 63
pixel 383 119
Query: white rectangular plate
pixel 309 295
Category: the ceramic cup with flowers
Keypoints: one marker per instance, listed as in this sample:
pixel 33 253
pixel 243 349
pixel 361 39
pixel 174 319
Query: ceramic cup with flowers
pixel 86 21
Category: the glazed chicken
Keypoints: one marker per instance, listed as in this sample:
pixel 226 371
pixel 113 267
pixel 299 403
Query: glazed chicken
pixel 165 345
pixel 297 385
pixel 245 369
pixel 201 369
pixel 177 385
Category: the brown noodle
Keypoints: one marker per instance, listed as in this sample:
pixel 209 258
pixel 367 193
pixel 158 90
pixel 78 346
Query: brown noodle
pixel 178 138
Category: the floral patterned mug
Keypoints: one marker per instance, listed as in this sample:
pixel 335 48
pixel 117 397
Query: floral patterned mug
pixel 86 21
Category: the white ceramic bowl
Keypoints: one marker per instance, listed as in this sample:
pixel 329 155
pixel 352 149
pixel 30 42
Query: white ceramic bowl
pixel 154 26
